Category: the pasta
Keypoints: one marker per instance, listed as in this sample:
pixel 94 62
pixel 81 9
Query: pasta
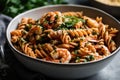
pixel 68 37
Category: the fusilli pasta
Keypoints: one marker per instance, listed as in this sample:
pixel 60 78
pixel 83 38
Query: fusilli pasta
pixel 68 37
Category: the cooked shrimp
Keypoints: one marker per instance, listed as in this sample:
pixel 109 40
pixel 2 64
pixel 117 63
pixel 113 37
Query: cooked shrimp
pixel 51 20
pixel 103 49
pixel 62 54
pixel 91 22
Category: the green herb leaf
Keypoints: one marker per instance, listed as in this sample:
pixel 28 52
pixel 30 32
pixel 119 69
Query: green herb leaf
pixel 89 58
pixel 70 21
pixel 14 7
pixel 76 52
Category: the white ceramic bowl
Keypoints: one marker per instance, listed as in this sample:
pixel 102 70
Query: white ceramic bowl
pixel 59 70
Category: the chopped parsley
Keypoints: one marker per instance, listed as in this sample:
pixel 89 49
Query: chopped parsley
pixel 76 52
pixel 89 58
pixel 70 21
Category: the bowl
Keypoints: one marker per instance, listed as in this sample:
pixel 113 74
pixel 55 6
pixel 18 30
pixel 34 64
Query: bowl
pixel 111 9
pixel 59 70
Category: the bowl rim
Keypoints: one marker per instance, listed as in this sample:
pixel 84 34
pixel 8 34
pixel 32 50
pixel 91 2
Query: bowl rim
pixel 49 62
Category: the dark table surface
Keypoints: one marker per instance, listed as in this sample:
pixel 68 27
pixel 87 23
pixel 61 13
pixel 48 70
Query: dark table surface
pixel 17 71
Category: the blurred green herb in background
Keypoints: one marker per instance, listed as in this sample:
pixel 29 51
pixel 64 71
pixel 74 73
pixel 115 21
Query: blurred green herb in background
pixel 14 7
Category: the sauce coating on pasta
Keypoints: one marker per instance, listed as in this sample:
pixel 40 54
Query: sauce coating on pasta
pixel 68 37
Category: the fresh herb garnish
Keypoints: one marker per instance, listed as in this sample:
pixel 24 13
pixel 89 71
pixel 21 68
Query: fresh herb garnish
pixel 76 52
pixel 23 40
pixel 70 21
pixel 43 39
pixel 89 58
pixel 77 59
pixel 28 27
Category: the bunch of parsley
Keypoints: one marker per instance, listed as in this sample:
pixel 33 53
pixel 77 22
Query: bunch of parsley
pixel 14 7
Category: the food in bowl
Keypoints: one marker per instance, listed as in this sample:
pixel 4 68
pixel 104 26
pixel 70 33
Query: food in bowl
pixel 64 37
pixel 69 70
pixel 110 2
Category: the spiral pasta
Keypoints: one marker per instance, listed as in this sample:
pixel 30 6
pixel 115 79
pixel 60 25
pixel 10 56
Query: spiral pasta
pixel 68 37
